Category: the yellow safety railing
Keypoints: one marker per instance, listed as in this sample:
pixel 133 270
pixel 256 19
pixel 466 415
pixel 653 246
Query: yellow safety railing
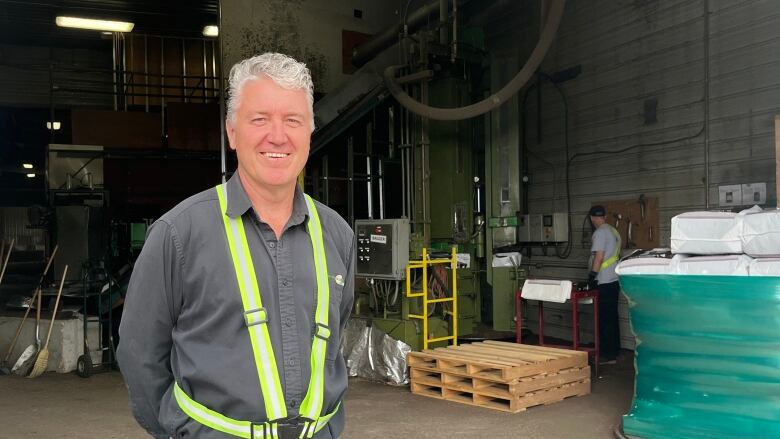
pixel 423 265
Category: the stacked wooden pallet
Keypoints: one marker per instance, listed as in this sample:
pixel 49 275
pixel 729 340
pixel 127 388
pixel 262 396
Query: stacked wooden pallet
pixel 503 376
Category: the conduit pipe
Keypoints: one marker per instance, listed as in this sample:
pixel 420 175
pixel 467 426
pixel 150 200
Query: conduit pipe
pixel 494 101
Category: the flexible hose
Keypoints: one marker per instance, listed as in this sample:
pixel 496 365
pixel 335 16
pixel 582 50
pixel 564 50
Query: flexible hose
pixel 493 101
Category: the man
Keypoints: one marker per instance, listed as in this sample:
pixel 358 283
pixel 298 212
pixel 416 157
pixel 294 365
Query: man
pixel 605 252
pixel 235 308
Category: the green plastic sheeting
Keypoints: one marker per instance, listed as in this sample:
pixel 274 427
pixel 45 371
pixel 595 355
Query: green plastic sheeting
pixel 707 357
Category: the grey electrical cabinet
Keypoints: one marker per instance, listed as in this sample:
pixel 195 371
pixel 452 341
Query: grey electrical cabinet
pixel 382 248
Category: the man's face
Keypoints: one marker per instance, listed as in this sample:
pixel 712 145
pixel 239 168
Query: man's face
pixel 596 220
pixel 271 133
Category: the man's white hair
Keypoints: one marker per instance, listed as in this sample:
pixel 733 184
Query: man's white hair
pixel 286 72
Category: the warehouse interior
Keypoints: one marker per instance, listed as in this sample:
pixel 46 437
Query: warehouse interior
pixel 473 136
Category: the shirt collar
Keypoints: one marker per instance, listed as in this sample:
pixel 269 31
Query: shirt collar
pixel 238 202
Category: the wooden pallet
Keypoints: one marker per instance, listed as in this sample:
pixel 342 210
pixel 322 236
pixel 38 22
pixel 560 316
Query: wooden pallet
pixel 503 376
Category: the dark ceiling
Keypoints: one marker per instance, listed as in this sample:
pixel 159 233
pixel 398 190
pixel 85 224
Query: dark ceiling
pixel 32 22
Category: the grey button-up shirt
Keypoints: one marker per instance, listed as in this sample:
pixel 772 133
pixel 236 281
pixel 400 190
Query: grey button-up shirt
pixel 183 317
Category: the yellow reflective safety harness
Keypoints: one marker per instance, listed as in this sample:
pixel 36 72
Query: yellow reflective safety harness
pixel 614 258
pixel 278 425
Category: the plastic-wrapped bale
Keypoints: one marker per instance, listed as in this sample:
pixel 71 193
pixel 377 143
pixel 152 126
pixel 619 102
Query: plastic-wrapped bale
pixel 706 233
pixel 707 357
pixel 721 265
pixel 645 266
pixel 765 267
pixel 761 233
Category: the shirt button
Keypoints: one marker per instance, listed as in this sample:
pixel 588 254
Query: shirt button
pixel 293 403
pixel 286 283
pixel 288 322
pixel 272 244
pixel 291 362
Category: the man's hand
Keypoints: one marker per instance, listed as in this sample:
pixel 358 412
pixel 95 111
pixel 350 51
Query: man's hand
pixel 592 282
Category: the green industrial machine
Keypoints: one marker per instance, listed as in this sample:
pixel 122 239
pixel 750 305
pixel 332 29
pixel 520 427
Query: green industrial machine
pixel 409 183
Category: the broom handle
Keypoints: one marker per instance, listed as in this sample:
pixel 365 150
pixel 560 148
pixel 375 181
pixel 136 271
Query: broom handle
pixel 56 305
pixel 7 257
pixel 19 329
pixel 48 264
pixel 40 296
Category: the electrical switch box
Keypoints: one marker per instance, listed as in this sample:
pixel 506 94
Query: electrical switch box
pixel 382 248
pixel 546 227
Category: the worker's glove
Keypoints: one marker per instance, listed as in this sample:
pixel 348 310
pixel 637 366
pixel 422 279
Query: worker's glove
pixel 592 282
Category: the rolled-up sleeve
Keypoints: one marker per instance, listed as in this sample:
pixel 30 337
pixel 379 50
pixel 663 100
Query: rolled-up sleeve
pixel 147 322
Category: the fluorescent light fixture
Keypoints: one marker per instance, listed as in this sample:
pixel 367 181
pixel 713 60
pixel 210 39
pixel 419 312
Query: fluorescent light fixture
pixel 57 125
pixel 27 165
pixel 88 23
pixel 30 175
pixel 211 31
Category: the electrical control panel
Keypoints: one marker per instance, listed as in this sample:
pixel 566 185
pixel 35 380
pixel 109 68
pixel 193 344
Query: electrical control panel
pixel 546 227
pixel 382 248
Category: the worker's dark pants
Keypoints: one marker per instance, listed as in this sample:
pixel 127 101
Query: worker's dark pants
pixel 609 328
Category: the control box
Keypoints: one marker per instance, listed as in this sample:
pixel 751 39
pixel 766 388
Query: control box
pixel 546 227
pixel 382 248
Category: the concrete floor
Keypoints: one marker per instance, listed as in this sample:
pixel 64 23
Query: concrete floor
pixel 66 406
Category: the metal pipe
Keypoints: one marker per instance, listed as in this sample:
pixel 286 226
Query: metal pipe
pixel 124 70
pixel 706 104
pixel 425 143
pixel 495 100
pixel 369 189
pixel 205 67
pixel 381 192
pixel 146 73
pixel 351 181
pixel 454 30
pixel 222 145
pixel 162 83
pixel 213 70
pixel 113 67
pixel 415 77
pixel 386 38
pixel 443 9
pixel 184 69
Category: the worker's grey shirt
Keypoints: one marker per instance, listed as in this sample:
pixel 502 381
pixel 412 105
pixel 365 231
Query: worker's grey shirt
pixel 183 318
pixel 604 239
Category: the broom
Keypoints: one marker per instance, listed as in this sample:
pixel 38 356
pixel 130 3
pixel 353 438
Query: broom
pixel 43 358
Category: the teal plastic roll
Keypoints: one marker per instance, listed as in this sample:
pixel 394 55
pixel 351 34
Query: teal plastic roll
pixel 707 356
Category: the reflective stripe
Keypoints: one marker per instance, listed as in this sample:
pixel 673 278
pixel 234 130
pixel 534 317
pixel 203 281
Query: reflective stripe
pixel 265 361
pixel 311 407
pixel 234 427
pixel 256 318
pixel 614 258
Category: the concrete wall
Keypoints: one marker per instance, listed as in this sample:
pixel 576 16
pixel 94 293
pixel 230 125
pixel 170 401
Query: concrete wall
pixel 65 347
pixel 309 30
pixel 637 50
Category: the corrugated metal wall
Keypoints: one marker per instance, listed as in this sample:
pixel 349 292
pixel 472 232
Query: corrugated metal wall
pixel 631 51
pixel 24 73
pixel 14 225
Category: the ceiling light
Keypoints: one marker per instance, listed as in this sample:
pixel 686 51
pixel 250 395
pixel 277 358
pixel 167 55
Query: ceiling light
pixel 88 23
pixel 27 165
pixel 30 175
pixel 211 31
pixel 57 125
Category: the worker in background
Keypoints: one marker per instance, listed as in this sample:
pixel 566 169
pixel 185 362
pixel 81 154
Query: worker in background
pixel 605 252
pixel 237 301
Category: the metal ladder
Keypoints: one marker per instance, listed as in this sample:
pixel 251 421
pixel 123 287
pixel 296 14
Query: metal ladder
pixel 423 265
